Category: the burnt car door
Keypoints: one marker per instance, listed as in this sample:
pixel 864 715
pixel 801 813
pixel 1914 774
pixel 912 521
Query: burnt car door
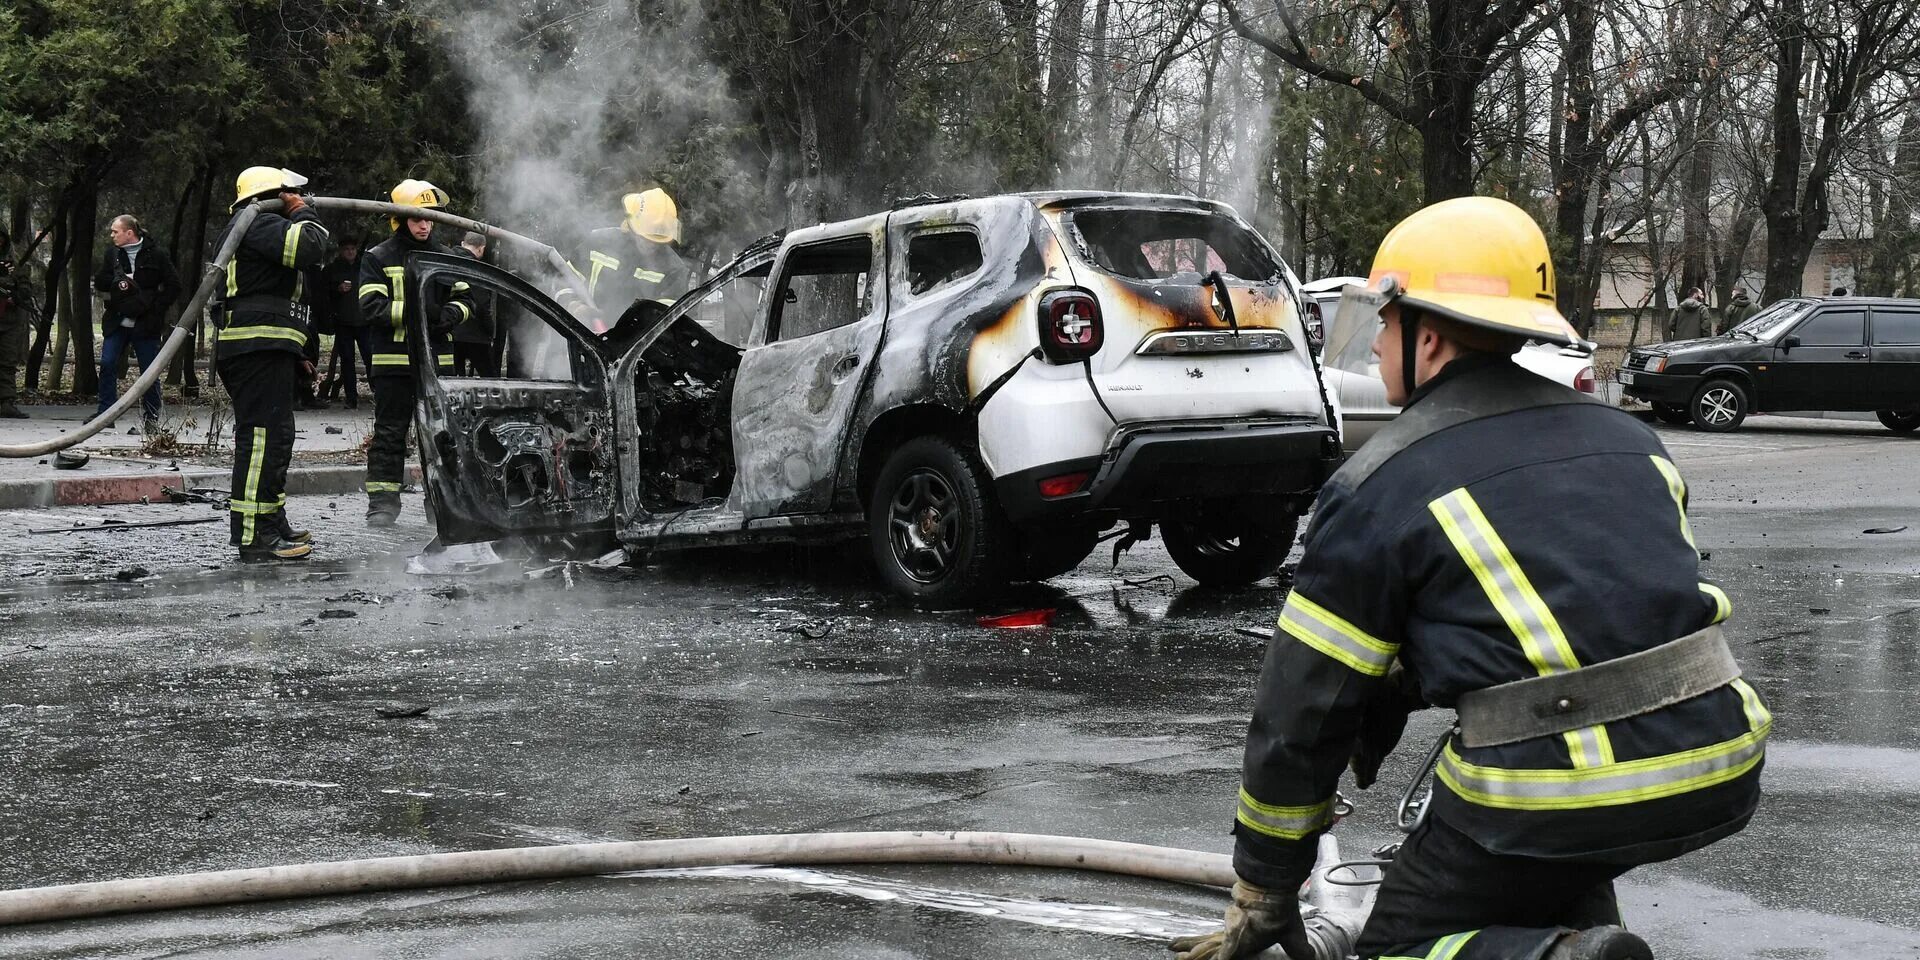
pixel 805 368
pixel 1824 363
pixel 528 454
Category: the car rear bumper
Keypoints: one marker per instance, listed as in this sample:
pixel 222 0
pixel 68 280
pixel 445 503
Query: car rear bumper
pixel 1658 387
pixel 1147 467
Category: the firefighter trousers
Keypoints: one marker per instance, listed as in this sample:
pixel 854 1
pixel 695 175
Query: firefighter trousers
pixel 387 455
pixel 1447 898
pixel 262 385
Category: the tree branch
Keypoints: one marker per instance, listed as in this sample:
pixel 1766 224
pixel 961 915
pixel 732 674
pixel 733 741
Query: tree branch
pixel 1296 55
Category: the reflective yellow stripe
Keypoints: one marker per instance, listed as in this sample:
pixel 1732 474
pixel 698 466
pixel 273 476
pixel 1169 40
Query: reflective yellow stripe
pixel 1633 781
pixel 1445 948
pixel 1325 631
pixel 1678 488
pixel 1285 823
pixel 233 277
pixel 374 288
pixel 649 276
pixel 460 286
pixel 1520 605
pixel 255 459
pixel 601 262
pixel 397 282
pixel 1722 607
pixel 382 486
pixel 443 360
pixel 1757 713
pixel 389 359
pixel 465 314
pixel 290 249
pixel 252 507
pixel 264 333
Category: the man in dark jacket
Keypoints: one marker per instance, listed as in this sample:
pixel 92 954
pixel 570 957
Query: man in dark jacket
pixel 13 336
pixel 390 304
pixel 1740 309
pixel 1690 320
pixel 1452 561
pixel 259 353
pixel 139 283
pixel 337 282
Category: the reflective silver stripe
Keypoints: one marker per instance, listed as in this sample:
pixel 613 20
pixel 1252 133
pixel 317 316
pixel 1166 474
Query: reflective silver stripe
pixel 1327 632
pixel 1619 783
pixel 1285 823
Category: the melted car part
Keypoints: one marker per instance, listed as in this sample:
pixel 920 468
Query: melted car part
pixel 683 410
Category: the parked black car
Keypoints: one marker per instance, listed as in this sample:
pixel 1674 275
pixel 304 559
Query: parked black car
pixel 1803 353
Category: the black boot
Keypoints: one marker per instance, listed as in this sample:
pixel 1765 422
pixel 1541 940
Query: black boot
pixel 11 410
pixel 383 509
pixel 1600 943
pixel 270 548
pixel 287 532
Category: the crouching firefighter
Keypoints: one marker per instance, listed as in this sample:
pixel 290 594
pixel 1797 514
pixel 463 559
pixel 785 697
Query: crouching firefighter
pixel 389 307
pixel 263 329
pixel 1469 557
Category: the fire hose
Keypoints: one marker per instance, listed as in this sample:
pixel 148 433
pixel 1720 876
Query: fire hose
pixel 215 272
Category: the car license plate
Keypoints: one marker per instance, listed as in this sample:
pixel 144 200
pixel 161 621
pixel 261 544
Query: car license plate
pixel 1626 376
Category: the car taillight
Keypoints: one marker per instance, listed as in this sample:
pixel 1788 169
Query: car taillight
pixel 1070 327
pixel 1063 485
pixel 1583 381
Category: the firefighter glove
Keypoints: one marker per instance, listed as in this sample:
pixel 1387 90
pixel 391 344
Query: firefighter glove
pixel 1256 919
pixel 294 203
pixel 1383 721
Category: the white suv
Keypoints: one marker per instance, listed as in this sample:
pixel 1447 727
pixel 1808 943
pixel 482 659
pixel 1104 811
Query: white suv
pixel 981 387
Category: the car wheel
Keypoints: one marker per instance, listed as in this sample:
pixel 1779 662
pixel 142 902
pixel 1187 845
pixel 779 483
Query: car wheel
pixel 1225 548
pixel 1900 421
pixel 1673 413
pixel 1047 552
pixel 937 533
pixel 1719 406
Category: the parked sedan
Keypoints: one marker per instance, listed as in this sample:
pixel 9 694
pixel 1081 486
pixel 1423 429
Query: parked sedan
pixel 1353 373
pixel 1804 353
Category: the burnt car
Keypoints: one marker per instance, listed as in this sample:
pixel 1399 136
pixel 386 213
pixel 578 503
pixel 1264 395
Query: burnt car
pixel 979 386
pixel 1802 353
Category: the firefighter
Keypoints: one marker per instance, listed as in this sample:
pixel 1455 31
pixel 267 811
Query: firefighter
pixel 263 329
pixel 1470 546
pixel 636 260
pixel 390 299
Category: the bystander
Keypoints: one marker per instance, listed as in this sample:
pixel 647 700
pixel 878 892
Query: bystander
pixel 139 283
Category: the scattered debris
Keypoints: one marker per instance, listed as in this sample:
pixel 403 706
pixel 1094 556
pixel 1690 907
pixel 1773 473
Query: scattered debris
pixel 815 630
pixel 401 711
pixel 1251 632
pixel 338 614
pixel 451 591
pixel 70 459
pixel 1024 619
pixel 1884 529
pixel 685 789
pixel 358 596
pixel 456 560
pixel 125 525
pixel 750 733
pixel 1819 609
pixel 612 558
pixel 130 574
pixel 336 430
pixel 1143 581
pixel 1706 555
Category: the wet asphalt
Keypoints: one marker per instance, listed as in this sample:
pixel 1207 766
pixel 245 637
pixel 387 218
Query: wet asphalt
pixel 163 710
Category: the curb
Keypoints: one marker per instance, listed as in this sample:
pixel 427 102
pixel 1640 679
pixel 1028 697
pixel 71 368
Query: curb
pixel 76 489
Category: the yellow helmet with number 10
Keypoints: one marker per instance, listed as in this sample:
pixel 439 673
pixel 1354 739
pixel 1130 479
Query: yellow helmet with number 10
pixel 1480 261
pixel 417 193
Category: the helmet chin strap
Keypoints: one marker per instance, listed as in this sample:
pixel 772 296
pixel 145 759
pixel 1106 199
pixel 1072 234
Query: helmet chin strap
pixel 1409 342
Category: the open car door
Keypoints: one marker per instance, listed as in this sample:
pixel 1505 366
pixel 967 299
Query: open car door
pixel 531 452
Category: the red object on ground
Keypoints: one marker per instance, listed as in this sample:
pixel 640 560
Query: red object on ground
pixel 1025 618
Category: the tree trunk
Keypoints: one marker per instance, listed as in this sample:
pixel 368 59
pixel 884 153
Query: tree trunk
pixel 1446 135
pixel 1696 207
pixel 86 378
pixel 193 259
pixel 1575 172
pixel 1100 84
pixel 183 359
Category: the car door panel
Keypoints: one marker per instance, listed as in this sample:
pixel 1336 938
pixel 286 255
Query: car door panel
pixel 1896 358
pixel 1829 369
pixel 515 456
pixel 794 397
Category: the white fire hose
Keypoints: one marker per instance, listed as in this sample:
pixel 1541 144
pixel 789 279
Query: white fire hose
pixel 1334 911
pixel 215 272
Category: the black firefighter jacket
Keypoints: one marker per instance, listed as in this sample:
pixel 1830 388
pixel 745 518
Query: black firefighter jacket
pixel 390 302
pixel 1506 547
pixel 141 293
pixel 262 305
pixel 621 268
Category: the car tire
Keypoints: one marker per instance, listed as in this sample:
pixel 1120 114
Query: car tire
pixel 1718 406
pixel 1224 548
pixel 1047 552
pixel 938 535
pixel 1672 413
pixel 1900 421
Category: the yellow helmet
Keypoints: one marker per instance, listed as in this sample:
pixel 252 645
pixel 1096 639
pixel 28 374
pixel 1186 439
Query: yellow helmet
pixel 254 181
pixel 417 193
pixel 1478 260
pixel 653 215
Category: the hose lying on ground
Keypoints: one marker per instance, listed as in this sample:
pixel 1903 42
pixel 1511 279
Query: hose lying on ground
pixel 71 901
pixel 216 271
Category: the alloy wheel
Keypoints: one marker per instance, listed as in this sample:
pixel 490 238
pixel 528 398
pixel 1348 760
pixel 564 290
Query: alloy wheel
pixel 923 523
pixel 1718 406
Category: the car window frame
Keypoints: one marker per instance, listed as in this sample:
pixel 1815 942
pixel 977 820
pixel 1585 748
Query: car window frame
pixel 1873 324
pixel 768 332
pixel 917 232
pixel 1831 311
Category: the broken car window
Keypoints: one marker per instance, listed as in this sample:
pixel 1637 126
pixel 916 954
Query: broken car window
pixel 728 311
pixel 937 259
pixel 1172 245
pixel 824 287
